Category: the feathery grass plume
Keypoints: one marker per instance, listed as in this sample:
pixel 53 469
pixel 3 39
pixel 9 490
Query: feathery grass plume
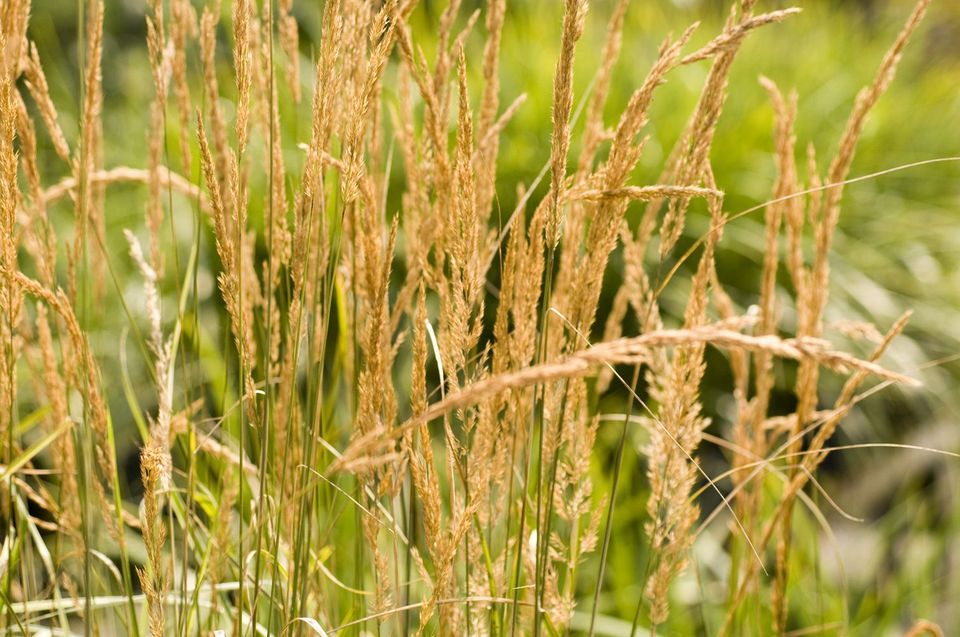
pixel 637 290
pixel 183 28
pixel 364 87
pixel 226 248
pixel 613 326
pixel 27 138
pixel 11 296
pixel 641 193
pixel 810 307
pixel 804 473
pixel 55 390
pixel 460 283
pixel 14 18
pixel 594 129
pixel 235 252
pixel 581 280
pixel 283 355
pixel 445 576
pixel 784 143
pixel 461 309
pixel 241 280
pixel 218 126
pixel 375 403
pixel 95 407
pixel 502 430
pixel 698 139
pixel 488 139
pixel 594 133
pixel 437 174
pixel 300 245
pixel 315 249
pixel 310 223
pixel 573 504
pixel 290 43
pixel 38 237
pixel 154 466
pixel 458 236
pixel 89 202
pixel 516 341
pixel 515 328
pixel 636 349
pixel 574 14
pixel 36 83
pixel 13 26
pixel 242 63
pixel 278 241
pixel 439 82
pixel 421 462
pixel 925 627
pixel 671 470
pixel 749 431
pixel 161 57
pixel 731 36
pixel 418 232
pixel 843 402
pixel 278 234
pixel 840 167
pixel 160 432
pixel 418 448
pixel 126 174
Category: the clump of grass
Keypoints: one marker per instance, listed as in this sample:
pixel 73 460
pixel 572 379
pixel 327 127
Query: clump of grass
pixel 396 444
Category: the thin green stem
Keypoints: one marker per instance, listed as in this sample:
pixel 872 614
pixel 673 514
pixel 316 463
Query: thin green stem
pixel 611 504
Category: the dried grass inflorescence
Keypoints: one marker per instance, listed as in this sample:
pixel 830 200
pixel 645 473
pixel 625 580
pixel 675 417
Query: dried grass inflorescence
pixel 388 444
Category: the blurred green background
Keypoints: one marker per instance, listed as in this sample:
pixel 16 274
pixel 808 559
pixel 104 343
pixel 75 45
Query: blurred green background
pixel 898 247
